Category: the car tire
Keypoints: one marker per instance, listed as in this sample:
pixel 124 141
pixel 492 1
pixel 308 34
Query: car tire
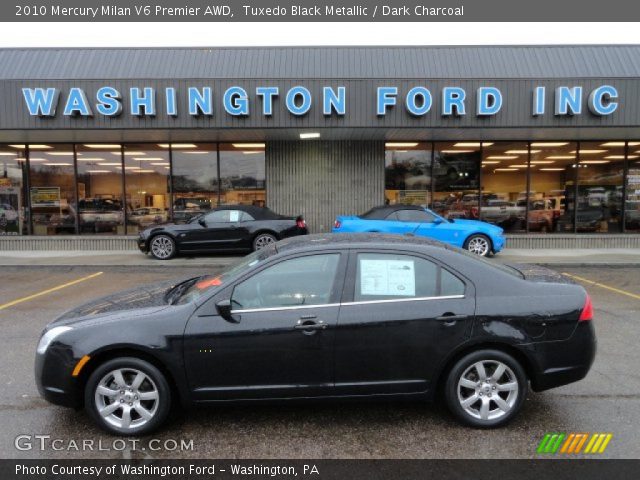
pixel 479 400
pixel 162 247
pixel 3 221
pixel 263 240
pixel 478 244
pixel 147 404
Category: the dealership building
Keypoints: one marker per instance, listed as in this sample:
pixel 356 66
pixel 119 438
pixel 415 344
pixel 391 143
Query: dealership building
pixel 97 144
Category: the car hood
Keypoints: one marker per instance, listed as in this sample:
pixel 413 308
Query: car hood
pixel 145 300
pixel 477 224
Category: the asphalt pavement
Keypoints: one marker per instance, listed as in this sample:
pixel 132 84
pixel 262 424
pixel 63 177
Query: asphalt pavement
pixel 608 400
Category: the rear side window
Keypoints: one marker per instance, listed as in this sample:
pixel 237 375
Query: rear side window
pixel 384 276
pixel 414 216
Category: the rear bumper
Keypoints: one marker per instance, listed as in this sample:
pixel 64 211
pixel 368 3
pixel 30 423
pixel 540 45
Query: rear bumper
pixel 566 361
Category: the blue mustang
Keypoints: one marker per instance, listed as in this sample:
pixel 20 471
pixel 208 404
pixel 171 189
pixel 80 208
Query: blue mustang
pixel 477 237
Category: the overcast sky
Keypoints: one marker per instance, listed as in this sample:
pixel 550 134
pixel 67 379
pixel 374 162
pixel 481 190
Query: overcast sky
pixel 257 34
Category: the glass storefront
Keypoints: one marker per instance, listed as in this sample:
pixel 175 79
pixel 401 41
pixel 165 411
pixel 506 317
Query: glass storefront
pixel 116 189
pixel 13 176
pixel 541 186
pixel 242 174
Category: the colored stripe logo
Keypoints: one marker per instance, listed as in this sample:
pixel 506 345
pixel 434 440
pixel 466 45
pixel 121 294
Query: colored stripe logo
pixel 574 443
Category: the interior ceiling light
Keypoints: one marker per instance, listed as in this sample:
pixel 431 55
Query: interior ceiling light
pixel 490 162
pixel 102 146
pixel 502 157
pixel 552 169
pixel 177 145
pixel 542 162
pixel 521 152
pixel 587 151
pixel 248 145
pixel 472 144
pixel 401 144
pixel 61 154
pixel 506 170
pixel 561 157
pixel 549 144
pixel 595 162
pixel 457 151
pixel 619 144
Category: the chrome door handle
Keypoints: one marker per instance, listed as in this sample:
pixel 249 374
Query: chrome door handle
pixel 310 325
pixel 451 317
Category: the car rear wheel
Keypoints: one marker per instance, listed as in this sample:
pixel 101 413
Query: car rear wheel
pixel 478 244
pixel 486 389
pixel 163 247
pixel 263 240
pixel 127 396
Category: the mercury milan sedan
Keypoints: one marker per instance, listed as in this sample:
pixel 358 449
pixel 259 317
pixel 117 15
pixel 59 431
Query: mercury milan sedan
pixel 324 317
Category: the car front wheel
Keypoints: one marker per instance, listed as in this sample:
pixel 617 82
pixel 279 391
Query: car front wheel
pixel 478 244
pixel 486 389
pixel 162 247
pixel 127 396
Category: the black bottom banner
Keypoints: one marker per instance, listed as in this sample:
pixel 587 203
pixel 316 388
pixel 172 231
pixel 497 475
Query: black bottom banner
pixel 319 469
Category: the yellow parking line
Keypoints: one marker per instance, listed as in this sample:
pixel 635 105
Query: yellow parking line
pixel 602 285
pixel 44 292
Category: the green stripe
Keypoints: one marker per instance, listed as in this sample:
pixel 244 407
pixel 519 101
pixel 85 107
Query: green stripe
pixel 550 443
pixel 558 442
pixel 543 443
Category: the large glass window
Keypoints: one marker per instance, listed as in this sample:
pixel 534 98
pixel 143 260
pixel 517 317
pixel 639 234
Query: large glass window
pixel 504 184
pixel 195 179
pixel 632 202
pixel 12 196
pixel 456 173
pixel 407 173
pixel 553 171
pixel 242 174
pixel 146 185
pixel 52 189
pixel 600 179
pixel 100 201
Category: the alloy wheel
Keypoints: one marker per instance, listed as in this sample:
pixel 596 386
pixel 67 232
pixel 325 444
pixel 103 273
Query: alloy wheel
pixel 127 398
pixel 263 241
pixel 162 247
pixel 479 246
pixel 488 390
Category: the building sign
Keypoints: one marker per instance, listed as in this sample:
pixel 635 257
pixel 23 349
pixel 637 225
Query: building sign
pixel 235 101
pixel 45 197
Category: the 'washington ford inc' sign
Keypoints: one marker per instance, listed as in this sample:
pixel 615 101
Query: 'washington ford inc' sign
pixel 298 101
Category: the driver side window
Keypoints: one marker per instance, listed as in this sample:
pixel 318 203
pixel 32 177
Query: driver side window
pixel 299 281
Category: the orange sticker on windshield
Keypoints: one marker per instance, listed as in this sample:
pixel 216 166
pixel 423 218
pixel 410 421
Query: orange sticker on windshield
pixel 212 282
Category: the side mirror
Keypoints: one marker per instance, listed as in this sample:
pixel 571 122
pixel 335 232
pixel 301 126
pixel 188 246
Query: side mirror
pixel 202 222
pixel 224 310
pixel 437 221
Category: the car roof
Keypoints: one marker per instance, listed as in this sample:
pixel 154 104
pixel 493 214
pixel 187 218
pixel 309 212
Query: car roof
pixel 321 241
pixel 256 212
pixel 383 211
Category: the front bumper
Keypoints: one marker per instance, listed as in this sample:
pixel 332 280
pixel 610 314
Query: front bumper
pixel 54 380
pixel 143 245
pixel 499 241
pixel 566 361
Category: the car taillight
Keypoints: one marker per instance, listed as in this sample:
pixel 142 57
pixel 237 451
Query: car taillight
pixel 337 224
pixel 587 310
pixel 300 223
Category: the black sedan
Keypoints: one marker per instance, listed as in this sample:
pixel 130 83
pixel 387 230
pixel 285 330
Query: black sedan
pixel 324 317
pixel 231 228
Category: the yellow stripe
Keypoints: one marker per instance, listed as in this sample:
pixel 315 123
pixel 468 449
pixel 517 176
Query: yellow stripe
pixel 591 442
pixel 567 442
pixel 579 446
pixel 596 445
pixel 605 443
pixel 81 363
pixel 602 285
pixel 44 292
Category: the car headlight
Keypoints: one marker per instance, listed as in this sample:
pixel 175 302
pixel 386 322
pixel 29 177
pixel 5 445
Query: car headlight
pixel 49 337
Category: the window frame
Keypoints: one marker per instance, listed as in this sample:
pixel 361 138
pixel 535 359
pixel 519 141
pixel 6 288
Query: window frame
pixel 348 297
pixel 336 289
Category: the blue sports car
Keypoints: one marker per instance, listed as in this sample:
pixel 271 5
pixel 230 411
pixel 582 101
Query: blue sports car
pixel 477 237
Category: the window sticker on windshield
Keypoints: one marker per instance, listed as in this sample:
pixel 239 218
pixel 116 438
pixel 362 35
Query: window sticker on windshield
pixel 234 216
pixel 387 277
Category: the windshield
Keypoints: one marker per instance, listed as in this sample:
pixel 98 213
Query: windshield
pixel 195 288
